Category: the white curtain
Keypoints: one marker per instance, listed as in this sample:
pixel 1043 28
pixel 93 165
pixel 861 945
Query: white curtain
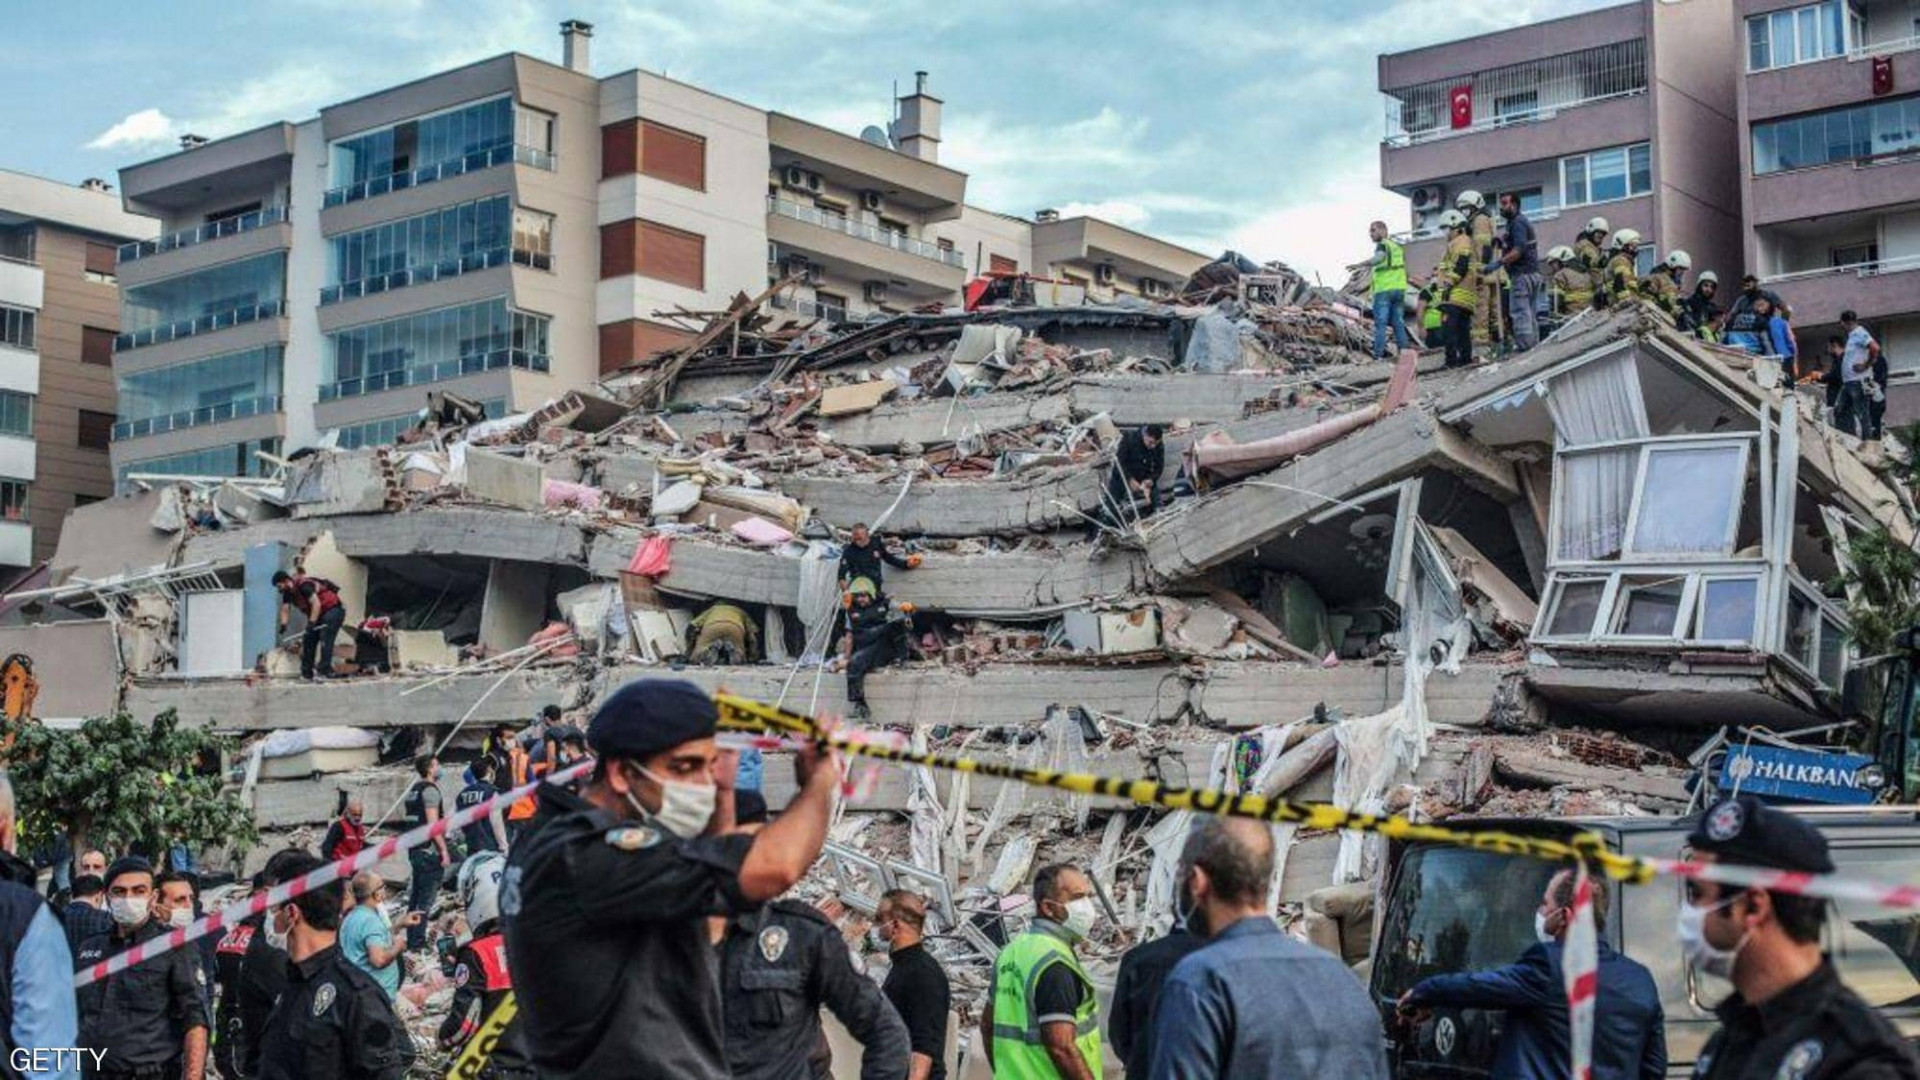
pixel 1595 403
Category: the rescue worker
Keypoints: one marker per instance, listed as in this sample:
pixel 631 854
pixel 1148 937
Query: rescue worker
pixel 481 978
pixel 779 965
pixel 1459 289
pixel 1790 1016
pixel 1621 281
pixel 868 556
pixel 1133 481
pixel 606 897
pixel 1042 1018
pixel 347 835
pixel 428 863
pixel 1432 320
pixel 1389 290
pixel 722 634
pixel 876 636
pixel 333 1022
pixel 1662 286
pixel 1699 310
pixel 488 833
pixel 151 1019
pixel 1569 285
pixel 1488 305
pixel 318 600
pixel 521 772
pixel 254 971
pixel 1588 246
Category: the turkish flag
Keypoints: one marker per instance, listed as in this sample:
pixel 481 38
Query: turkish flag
pixel 1882 76
pixel 1460 102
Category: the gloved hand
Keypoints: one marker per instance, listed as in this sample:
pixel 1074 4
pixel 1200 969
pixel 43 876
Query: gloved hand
pixel 1491 268
pixel 906 607
pixel 913 561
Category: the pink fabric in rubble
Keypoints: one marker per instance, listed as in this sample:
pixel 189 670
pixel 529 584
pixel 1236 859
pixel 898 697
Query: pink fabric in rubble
pixel 565 493
pixel 653 558
pixel 761 532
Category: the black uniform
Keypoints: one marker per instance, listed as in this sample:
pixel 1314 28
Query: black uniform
pixel 917 987
pixel 1815 1030
pixel 481 981
pixel 231 1051
pixel 879 639
pixel 141 1016
pixel 479 835
pixel 423 862
pixel 333 1022
pixel 1133 462
pixel 865 560
pixel 607 938
pixel 781 964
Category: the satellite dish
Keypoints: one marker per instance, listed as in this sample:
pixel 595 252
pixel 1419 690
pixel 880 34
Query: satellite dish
pixel 876 135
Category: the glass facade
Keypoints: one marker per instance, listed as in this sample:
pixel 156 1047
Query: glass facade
pixel 389 430
pixel 235 459
pixel 212 299
pixel 1795 36
pixel 445 243
pixel 1890 126
pixel 16 414
pixel 457 141
pixel 432 346
pixel 206 391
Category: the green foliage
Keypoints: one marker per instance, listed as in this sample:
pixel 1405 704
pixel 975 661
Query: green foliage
pixel 1887 574
pixel 115 782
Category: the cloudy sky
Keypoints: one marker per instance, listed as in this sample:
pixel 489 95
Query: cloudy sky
pixel 1251 125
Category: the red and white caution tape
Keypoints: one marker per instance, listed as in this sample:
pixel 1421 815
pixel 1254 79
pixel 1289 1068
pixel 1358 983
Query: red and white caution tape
pixel 1580 968
pixel 285 891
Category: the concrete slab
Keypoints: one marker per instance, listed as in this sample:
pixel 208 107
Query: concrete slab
pixel 515 604
pixel 509 481
pixel 110 537
pixel 941 421
pixel 481 532
pixel 955 508
pixel 1162 399
pixel 349 482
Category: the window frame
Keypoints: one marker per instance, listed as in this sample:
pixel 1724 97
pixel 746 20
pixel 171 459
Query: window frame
pixel 1697 619
pixel 11 509
pixel 1619 592
pixel 1628 553
pixel 27 403
pixel 1626 152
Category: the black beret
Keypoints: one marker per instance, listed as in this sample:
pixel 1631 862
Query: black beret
pixel 647 716
pixel 749 807
pixel 1746 831
pixel 128 864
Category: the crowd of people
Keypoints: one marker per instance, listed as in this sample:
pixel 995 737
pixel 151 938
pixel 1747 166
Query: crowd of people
pixel 1494 293
pixel 642 922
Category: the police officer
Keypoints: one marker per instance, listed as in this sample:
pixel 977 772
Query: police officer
pixel 427 863
pixel 151 1019
pixel 606 895
pixel 333 1022
pixel 481 978
pixel 253 970
pixel 876 635
pixel 780 964
pixel 1790 1019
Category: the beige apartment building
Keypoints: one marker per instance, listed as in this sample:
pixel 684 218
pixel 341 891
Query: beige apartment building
pixel 59 311
pixel 513 228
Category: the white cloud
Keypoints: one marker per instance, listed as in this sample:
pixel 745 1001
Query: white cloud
pixel 1121 212
pixel 143 130
pixel 1323 234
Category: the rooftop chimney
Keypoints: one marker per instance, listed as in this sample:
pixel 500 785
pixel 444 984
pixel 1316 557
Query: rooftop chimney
pixel 1043 217
pixel 575 36
pixel 917 131
pixel 94 183
pixel 192 142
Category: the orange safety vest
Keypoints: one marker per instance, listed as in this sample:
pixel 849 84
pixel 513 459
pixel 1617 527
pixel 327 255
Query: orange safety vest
pixel 523 768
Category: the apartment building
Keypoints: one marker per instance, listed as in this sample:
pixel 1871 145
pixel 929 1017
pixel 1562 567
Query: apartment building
pixel 1829 97
pixel 513 228
pixel 59 311
pixel 1626 112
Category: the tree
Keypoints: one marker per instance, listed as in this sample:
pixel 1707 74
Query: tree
pixel 114 783
pixel 1886 575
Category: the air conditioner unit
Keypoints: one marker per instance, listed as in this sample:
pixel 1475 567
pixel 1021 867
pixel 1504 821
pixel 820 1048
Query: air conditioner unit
pixel 874 292
pixel 795 177
pixel 1152 287
pixel 870 200
pixel 813 182
pixel 796 264
pixel 814 273
pixel 1105 274
pixel 1427 198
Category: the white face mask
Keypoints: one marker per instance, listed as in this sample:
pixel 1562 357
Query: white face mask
pixel 276 937
pixel 878 940
pixel 1701 953
pixel 685 809
pixel 1540 931
pixel 180 916
pixel 128 910
pixel 1081 914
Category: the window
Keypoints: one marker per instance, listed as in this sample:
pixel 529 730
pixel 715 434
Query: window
pixel 16 327
pixel 100 262
pixel 1689 499
pixel 237 459
pixel 1803 624
pixel 96 429
pixel 1515 108
pixel 1606 175
pixel 1866 254
pixel 430 140
pixel 13 500
pixel 1458 911
pixel 445 243
pixel 832 308
pixel 434 345
pixel 533 238
pixel 533 128
pixel 199 391
pixel 16 414
pixel 1650 607
pixel 1795 36
pixel 210 299
pixel 17 242
pixel 1832 655
pixel 1000 264
pixel 96 346
pixel 1871 130
pixel 1877 949
pixel 1727 609
pixel 1532 200
pixel 1575 607
pixel 675 156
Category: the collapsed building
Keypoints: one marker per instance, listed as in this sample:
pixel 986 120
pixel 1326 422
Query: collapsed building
pixel 1534 586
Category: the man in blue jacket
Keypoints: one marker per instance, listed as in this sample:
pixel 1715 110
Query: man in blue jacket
pixel 1629 1028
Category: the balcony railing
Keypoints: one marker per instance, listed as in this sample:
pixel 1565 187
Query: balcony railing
pixel 1524 93
pixel 444 170
pixel 1884 48
pixel 874 234
pixel 1872 268
pixel 205 324
pixel 190 418
pixel 809 309
pixel 212 230
pixel 421 275
pixel 422 374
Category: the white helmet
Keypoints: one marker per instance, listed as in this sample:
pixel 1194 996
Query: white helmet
pixel 1706 276
pixel 1679 260
pixel 1626 238
pixel 480 887
pixel 1596 225
pixel 1560 253
pixel 1452 219
pixel 1470 199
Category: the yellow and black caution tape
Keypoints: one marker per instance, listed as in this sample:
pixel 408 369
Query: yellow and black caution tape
pixel 742 714
pixel 473 1057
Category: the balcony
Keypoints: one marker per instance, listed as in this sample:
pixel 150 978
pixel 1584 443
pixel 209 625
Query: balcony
pixel 212 230
pixel 873 234
pixel 192 418
pixel 428 174
pixel 16 542
pixel 855 252
pixel 205 324
pixel 833 314
pixel 1875 290
pixel 22 284
pixel 443 270
pixel 423 374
